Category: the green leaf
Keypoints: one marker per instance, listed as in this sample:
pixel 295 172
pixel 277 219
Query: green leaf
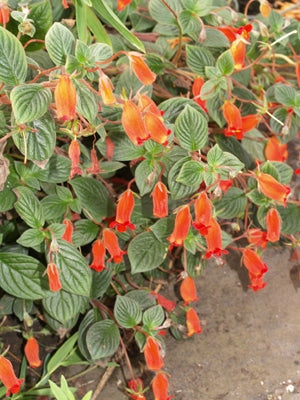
pixel 215 38
pixel 100 52
pixel 29 102
pixel 100 283
pixel 63 306
pixel 177 189
pixel 232 204
pixel 39 140
pixel 146 175
pixel 161 13
pixel 285 95
pixel 290 217
pixel 111 18
pixel 270 169
pixel 75 275
pixel 124 149
pixel 145 252
pixel 163 228
pixel 142 297
pixel 81 20
pixel 13 65
pixel 234 147
pixel 127 312
pixel 62 353
pixel 102 339
pixel 29 208
pixel 253 146
pixel 258 198
pixel 153 317
pixel 59 169
pixel 197 58
pixel 191 129
pixel 59 43
pixel 53 207
pixel 225 63
pixel 189 22
pixel 85 232
pixel 93 197
pixel 87 103
pixel 191 173
pixel 31 238
pixel 97 28
pixel 173 107
pixel 22 276
pixel 285 172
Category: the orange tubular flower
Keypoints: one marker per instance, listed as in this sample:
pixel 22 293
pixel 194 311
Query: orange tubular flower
pixel 8 377
pixel 271 188
pixel 196 89
pixel 233 118
pixel 112 246
pixel 254 264
pixel 275 151
pixel 122 4
pixel 74 155
pixel 65 98
pixel 181 228
pixel 160 387
pixel 188 290
pixel 53 277
pixel 273 222
pixel 156 128
pixel 98 251
pixel 68 231
pixel 214 239
pixel 145 104
pixel 124 210
pixel 106 90
pixel 203 210
pixel 140 68
pixel 160 200
pixel 4 14
pixel 192 322
pixel 168 305
pixel 256 283
pixel 133 123
pixel 95 168
pixel 257 237
pixel 31 350
pixel 65 3
pixel 250 121
pixel 264 8
pixel 229 32
pixel 136 387
pixel 238 52
pixel 152 354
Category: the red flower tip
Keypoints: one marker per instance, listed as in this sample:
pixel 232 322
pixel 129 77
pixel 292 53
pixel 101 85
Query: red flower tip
pixel 188 290
pixel 168 305
pixel 65 98
pixel 124 210
pixel 32 353
pixel 8 377
pixel 122 4
pixel 273 222
pixel 152 354
pixel 112 245
pixel 136 389
pixel 53 277
pixel 192 322
pixel 67 236
pixel 98 252
pixel 160 200
pixel 181 228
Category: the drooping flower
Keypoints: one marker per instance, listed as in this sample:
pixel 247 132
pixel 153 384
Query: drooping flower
pixel 238 52
pixel 188 290
pixel 192 322
pixel 31 350
pixel 136 389
pixel 125 207
pixel 68 231
pixel 106 90
pixel 275 150
pixel 140 68
pixel 156 128
pixel 160 387
pixel 160 200
pixel 254 264
pixel 233 118
pixel 229 32
pixel 250 121
pixel 133 123
pixel 273 189
pixel 152 354
pixel 146 104
pixel 122 4
pixel 181 228
pixel 4 13
pixel 74 155
pixel 167 304
pixel 203 209
pixel 264 8
pixel 53 277
pixel 8 377
pixel 257 237
pixel 112 245
pixel 196 90
pixel 257 283
pixel 95 167
pixel 273 222
pixel 214 239
pixel 65 98
pixel 98 252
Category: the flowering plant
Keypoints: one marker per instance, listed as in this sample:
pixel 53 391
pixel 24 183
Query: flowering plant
pixel 138 140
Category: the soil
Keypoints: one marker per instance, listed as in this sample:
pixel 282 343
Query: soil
pixel 249 348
